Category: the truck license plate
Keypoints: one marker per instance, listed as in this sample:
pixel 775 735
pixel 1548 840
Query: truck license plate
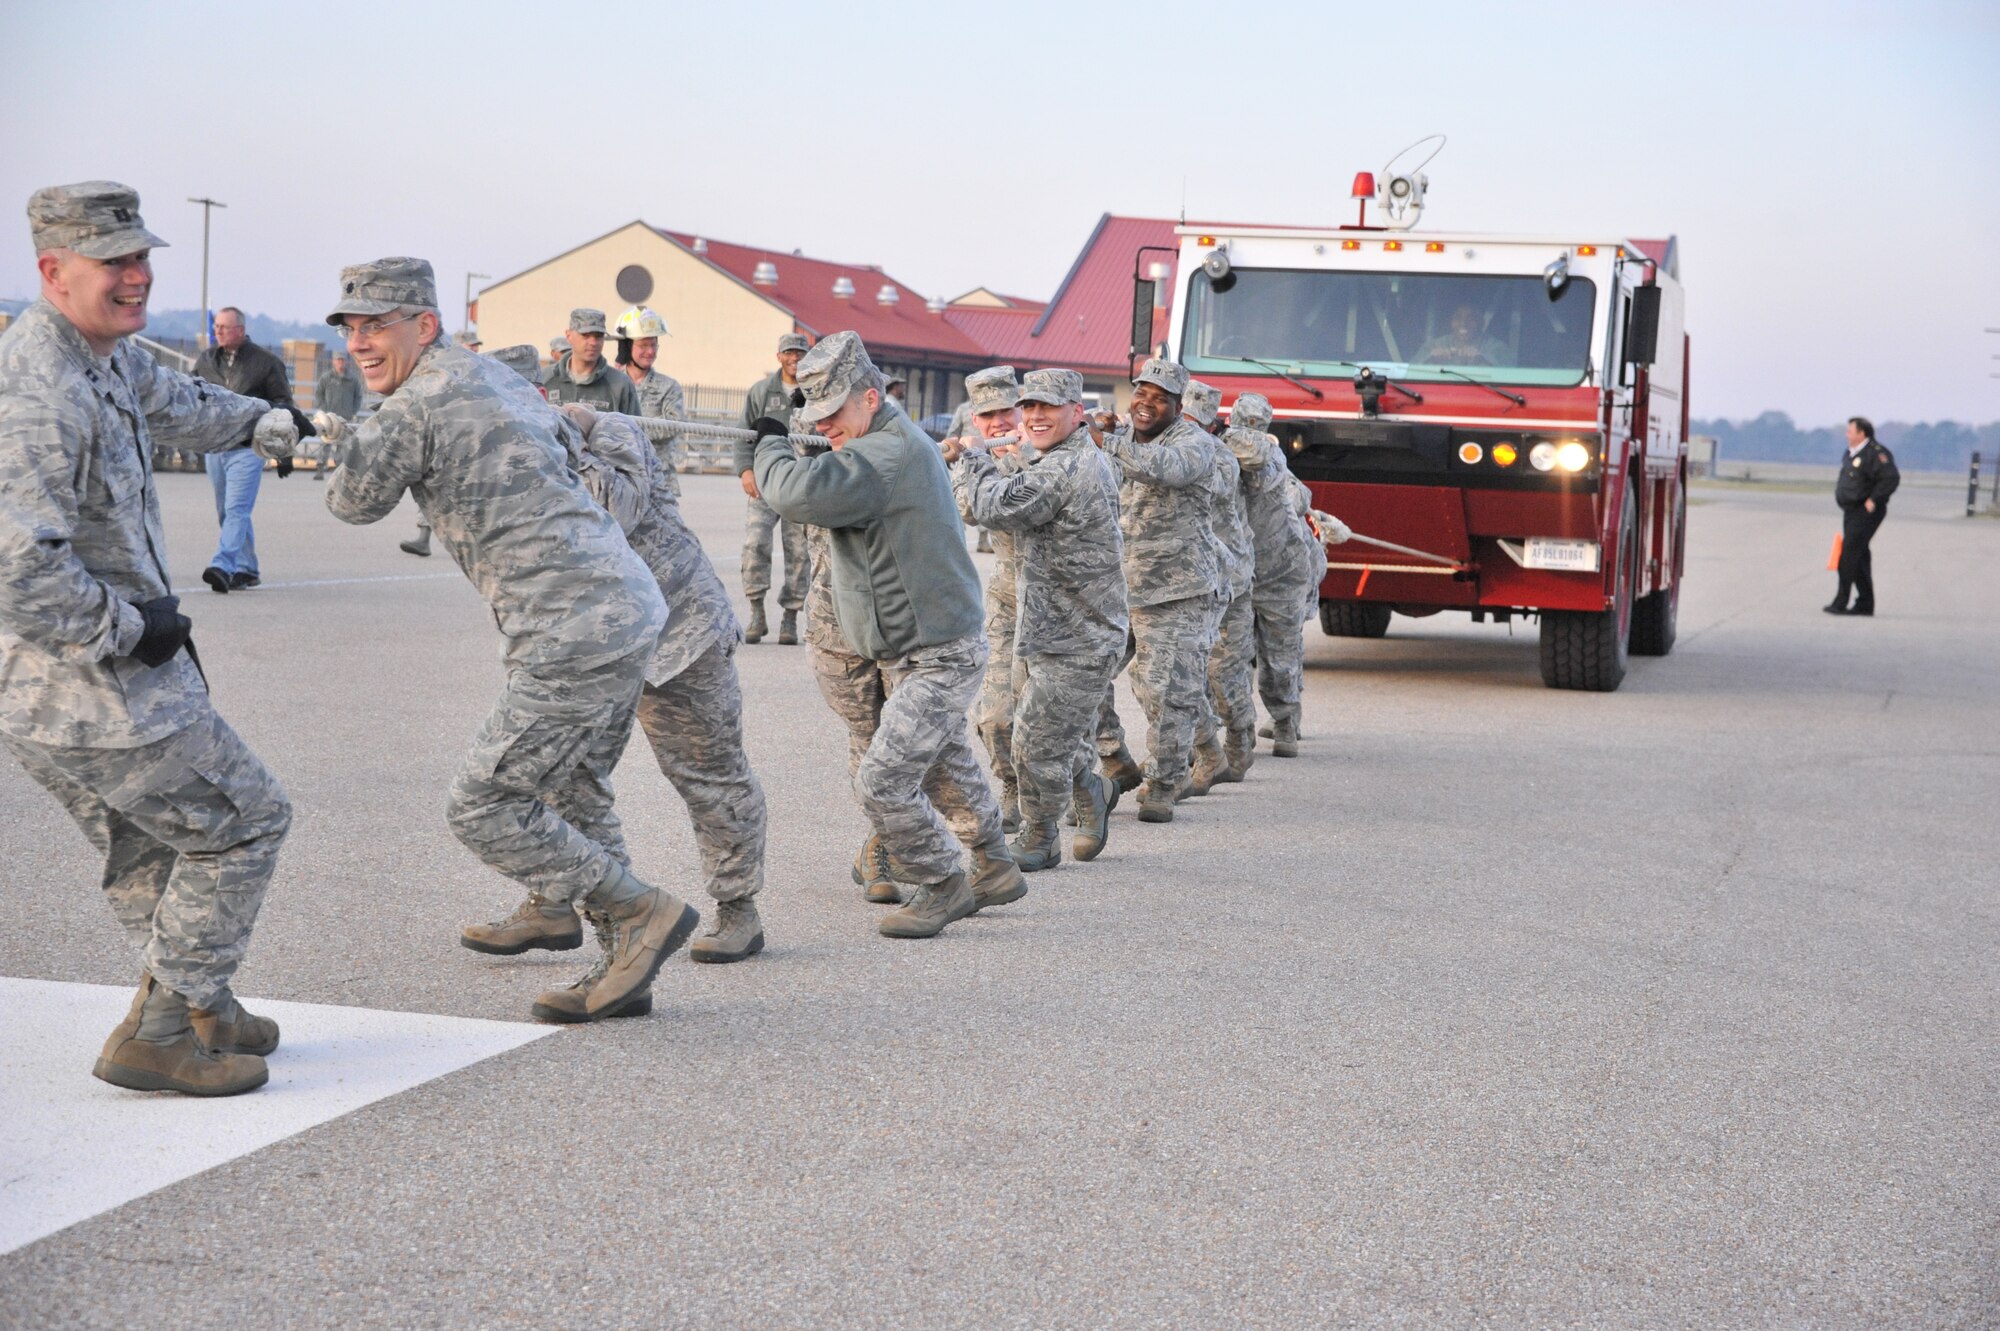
pixel 1563 556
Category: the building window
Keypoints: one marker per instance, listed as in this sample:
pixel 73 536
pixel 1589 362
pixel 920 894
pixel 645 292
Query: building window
pixel 634 284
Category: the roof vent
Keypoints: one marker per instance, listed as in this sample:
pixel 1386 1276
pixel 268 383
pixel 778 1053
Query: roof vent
pixel 888 295
pixel 766 274
pixel 935 304
pixel 843 288
pixel 700 246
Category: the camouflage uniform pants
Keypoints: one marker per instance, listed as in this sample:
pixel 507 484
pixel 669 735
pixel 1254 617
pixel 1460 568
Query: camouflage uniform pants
pixel 757 525
pixel 694 722
pixel 1059 700
pixel 994 712
pixel 533 798
pixel 921 754
pixel 1281 647
pixel 1110 730
pixel 1170 675
pixel 189 827
pixel 855 687
pixel 1232 672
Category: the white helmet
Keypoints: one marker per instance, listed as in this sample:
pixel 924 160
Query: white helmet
pixel 640 321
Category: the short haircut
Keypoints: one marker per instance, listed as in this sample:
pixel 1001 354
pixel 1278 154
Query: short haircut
pixel 231 309
pixel 1863 424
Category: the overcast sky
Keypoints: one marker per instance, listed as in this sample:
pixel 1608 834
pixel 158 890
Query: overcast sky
pixel 1829 167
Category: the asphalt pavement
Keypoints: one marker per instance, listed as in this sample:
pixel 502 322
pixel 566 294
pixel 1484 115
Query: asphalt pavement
pixel 1498 1006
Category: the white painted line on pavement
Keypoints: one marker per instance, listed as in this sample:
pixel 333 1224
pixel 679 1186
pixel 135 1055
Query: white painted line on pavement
pixel 72 1147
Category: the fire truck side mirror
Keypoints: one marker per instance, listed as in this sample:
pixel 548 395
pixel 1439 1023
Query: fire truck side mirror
pixel 1142 317
pixel 1642 327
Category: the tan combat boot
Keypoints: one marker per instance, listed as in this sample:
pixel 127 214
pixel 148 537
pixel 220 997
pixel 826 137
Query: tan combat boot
pixel 155 1049
pixel 1092 814
pixel 737 935
pixel 1285 739
pixel 648 926
pixel 755 630
pixel 227 1028
pixel 788 629
pixel 996 879
pixel 1036 850
pixel 535 923
pixel 1241 750
pixel 571 1004
pixel 1124 769
pixel 1156 803
pixel 1208 767
pixel 871 874
pixel 931 908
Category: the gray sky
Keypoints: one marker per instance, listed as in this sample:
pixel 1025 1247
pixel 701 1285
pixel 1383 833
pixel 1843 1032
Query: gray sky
pixel 1829 167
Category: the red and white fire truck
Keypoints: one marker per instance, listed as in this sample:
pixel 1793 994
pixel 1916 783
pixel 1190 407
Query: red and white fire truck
pixel 1509 411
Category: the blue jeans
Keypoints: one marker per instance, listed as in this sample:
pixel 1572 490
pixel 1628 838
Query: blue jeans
pixel 235 476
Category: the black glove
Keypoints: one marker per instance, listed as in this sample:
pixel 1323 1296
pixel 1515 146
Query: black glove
pixel 303 421
pixel 166 630
pixel 767 426
pixel 284 468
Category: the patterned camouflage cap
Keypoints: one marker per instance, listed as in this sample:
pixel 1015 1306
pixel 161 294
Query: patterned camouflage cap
pixel 992 389
pixel 1055 387
pixel 1203 402
pixel 523 360
pixel 894 377
pixel 1163 374
pixel 558 346
pixel 1252 412
pixel 99 219
pixel 369 289
pixel 586 321
pixel 832 370
pixel 794 342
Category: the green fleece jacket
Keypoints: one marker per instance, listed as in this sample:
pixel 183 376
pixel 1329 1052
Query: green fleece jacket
pixel 901 576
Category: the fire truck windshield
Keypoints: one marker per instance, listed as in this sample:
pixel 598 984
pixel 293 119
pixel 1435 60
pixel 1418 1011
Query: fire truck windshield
pixel 1490 327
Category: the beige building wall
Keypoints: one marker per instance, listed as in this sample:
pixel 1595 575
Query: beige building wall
pixel 724 334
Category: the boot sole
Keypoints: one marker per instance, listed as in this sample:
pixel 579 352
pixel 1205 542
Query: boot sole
pixel 545 944
pixel 636 1006
pixel 676 936
pixel 717 957
pixel 1284 750
pixel 136 1079
pixel 1156 815
pixel 886 932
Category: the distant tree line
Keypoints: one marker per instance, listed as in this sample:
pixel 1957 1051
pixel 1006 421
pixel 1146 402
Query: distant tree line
pixel 1924 446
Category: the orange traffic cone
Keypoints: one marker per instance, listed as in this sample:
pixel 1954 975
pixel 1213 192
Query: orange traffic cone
pixel 1833 558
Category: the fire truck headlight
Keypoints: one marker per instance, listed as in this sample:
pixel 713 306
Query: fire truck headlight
pixel 1572 456
pixel 1542 457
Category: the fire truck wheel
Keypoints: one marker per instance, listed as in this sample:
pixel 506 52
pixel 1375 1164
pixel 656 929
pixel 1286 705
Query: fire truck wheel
pixel 1353 619
pixel 1653 615
pixel 1583 649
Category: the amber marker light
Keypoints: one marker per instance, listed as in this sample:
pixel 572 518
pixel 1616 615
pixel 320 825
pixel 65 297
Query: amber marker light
pixel 1392 245
pixel 1470 453
pixel 1504 454
pixel 1433 247
pixel 1586 251
pixel 1350 244
pixel 1205 240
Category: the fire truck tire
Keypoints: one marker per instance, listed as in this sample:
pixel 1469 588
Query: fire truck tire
pixel 1585 649
pixel 1353 619
pixel 1654 615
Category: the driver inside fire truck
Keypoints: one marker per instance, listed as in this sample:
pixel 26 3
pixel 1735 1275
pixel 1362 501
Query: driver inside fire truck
pixel 1464 344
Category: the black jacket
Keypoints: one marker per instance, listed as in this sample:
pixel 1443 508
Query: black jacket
pixel 1869 472
pixel 253 372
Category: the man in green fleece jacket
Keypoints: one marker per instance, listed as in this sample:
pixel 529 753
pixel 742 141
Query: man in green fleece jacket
pixel 905 594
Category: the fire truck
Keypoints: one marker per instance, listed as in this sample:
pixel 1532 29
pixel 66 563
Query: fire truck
pixel 1503 418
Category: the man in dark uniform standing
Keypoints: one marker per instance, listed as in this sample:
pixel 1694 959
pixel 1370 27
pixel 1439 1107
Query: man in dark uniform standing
pixel 1868 476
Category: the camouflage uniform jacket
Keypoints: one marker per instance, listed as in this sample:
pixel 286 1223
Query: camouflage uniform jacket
pixel 338 393
pixel 626 477
pixel 1274 520
pixel 660 396
pixel 610 389
pixel 902 579
pixel 1163 508
pixel 493 469
pixel 1229 523
pixel 770 396
pixel 80 533
pixel 1063 508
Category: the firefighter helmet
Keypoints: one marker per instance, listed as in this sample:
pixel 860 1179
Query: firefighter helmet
pixel 640 321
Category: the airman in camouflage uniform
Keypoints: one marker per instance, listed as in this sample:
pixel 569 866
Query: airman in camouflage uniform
pixel 991 413
pixel 1058 498
pixel 581 374
pixel 101 698
pixel 494 469
pixel 639 331
pixel 1172 578
pixel 904 594
pixel 771 399
pixel 1232 702
pixel 1286 578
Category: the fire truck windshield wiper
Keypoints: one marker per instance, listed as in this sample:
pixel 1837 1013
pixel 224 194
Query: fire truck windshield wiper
pixel 1296 383
pixel 1515 398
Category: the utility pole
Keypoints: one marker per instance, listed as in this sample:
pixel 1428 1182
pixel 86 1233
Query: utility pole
pixel 207 206
pixel 468 298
